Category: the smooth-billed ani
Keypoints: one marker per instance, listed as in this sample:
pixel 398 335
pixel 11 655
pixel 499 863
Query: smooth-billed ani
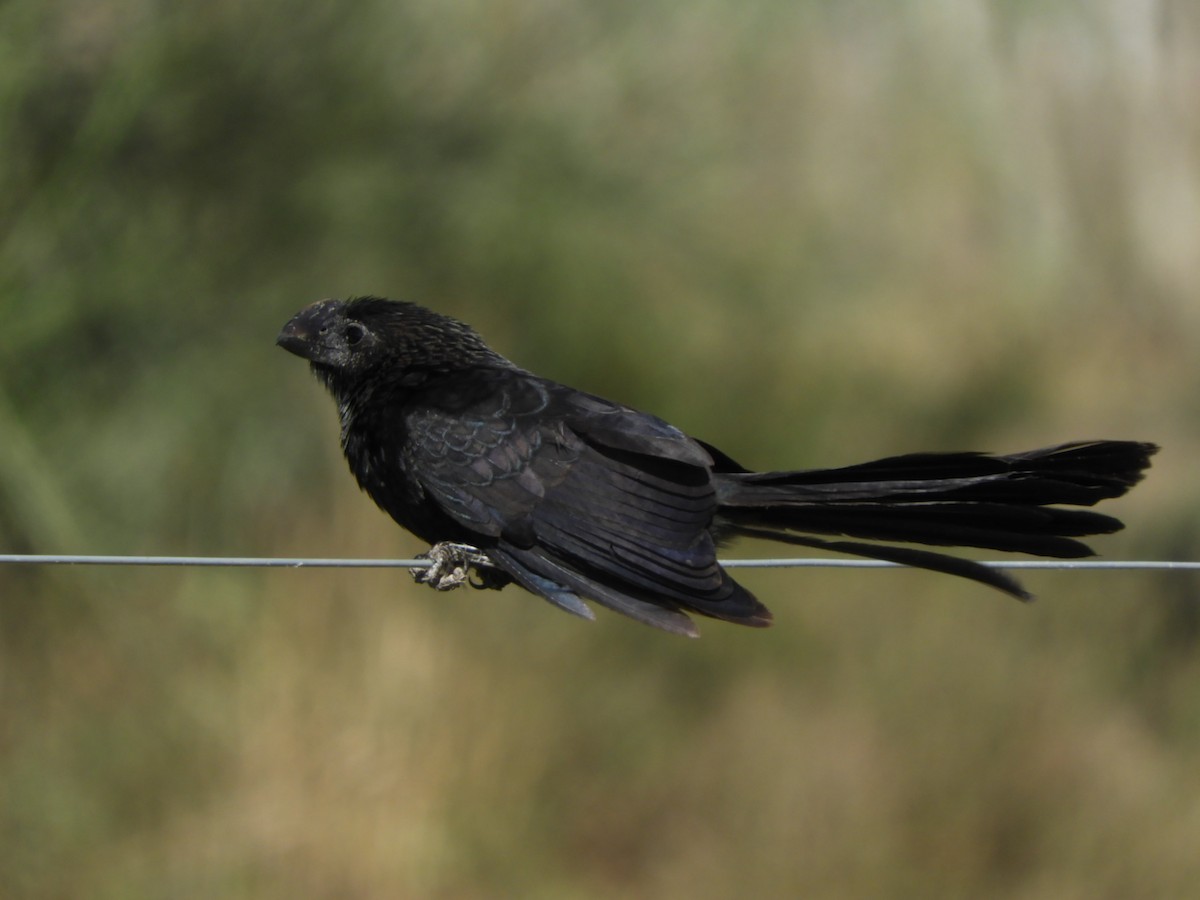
pixel 576 497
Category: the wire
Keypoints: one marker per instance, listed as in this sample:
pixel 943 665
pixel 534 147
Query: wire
pixel 272 562
pixel 994 563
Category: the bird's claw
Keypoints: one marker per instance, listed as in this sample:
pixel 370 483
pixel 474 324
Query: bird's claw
pixel 450 565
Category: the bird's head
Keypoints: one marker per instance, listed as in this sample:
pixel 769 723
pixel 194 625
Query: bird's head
pixel 346 341
pixel 329 338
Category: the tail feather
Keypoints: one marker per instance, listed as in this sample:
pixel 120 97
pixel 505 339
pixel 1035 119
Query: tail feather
pixel 1008 503
pixel 905 556
pixel 1079 474
pixel 1042 531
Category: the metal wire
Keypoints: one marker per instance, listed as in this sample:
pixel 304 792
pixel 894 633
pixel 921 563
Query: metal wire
pixel 272 562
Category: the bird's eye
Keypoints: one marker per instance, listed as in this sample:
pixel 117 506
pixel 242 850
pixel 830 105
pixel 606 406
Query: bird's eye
pixel 354 333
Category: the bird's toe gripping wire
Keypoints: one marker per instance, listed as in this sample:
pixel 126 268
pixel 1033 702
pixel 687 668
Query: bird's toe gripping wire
pixel 451 564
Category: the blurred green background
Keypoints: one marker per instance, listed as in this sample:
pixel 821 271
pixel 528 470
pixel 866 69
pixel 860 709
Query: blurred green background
pixel 812 233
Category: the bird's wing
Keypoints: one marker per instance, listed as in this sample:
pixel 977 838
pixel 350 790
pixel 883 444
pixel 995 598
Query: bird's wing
pixel 583 495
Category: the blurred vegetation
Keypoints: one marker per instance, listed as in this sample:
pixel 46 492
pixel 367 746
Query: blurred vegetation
pixel 811 232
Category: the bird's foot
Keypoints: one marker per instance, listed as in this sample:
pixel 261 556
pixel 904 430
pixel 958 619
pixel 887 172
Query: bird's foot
pixel 450 566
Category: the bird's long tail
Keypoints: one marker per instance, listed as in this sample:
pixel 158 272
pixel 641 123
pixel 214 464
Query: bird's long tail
pixel 1010 503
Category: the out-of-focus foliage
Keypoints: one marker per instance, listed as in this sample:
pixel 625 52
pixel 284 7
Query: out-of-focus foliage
pixel 811 232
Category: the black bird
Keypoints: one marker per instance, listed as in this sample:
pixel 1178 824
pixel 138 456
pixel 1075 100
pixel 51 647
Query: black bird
pixel 576 497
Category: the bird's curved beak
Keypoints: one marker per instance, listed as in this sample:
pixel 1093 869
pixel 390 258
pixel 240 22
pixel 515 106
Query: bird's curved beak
pixel 306 333
pixel 296 337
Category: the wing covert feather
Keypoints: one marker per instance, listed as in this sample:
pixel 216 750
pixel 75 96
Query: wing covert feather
pixel 620 499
